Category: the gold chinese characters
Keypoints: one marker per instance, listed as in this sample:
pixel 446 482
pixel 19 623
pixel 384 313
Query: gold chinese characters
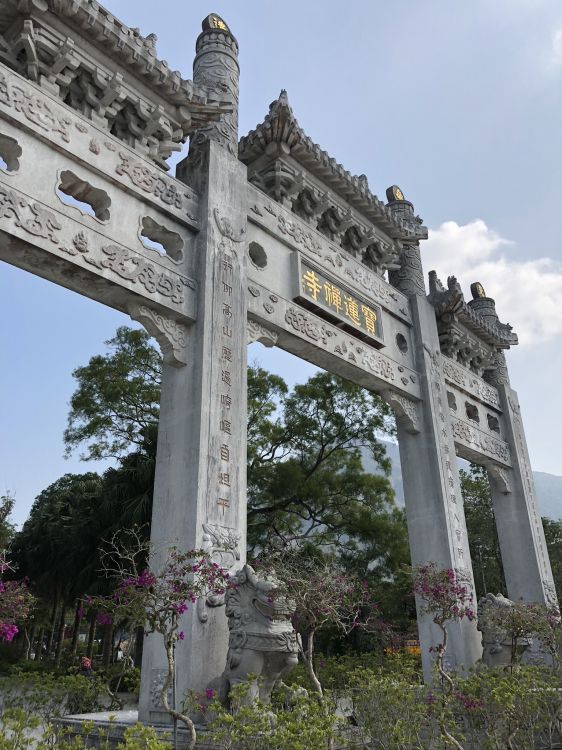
pixel 345 305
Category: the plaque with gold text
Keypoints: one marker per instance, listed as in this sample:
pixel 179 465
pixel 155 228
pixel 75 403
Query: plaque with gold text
pixel 338 305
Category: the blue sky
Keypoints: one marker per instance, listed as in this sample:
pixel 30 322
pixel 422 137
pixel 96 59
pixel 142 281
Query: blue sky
pixel 458 103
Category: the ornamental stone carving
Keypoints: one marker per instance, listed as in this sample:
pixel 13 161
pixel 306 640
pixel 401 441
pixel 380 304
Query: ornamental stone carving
pixel 171 335
pixel 34 107
pixel 496 640
pixel 223 545
pixel 29 216
pixel 262 640
pixel 152 182
pixel 258 332
pixel 406 410
pixel 157 681
pixel 501 478
pixel 479 441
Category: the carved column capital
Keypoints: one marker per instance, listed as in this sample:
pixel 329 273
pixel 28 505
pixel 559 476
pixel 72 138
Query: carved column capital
pixel 171 335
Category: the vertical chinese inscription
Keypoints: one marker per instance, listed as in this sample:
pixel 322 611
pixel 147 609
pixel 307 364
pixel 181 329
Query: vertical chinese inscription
pixel 224 284
pixel 450 477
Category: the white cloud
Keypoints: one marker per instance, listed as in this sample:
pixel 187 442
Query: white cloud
pixel 556 48
pixel 528 293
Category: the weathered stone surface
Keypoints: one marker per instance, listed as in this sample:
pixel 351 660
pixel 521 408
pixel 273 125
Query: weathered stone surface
pixel 201 460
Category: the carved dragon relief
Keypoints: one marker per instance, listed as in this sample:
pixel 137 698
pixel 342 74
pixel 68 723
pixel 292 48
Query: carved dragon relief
pixel 171 335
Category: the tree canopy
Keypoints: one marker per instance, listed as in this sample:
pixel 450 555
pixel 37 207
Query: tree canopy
pixel 117 399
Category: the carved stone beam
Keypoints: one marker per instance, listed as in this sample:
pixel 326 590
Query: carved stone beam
pixel 171 335
pixel 500 478
pixel 258 332
pixel 405 410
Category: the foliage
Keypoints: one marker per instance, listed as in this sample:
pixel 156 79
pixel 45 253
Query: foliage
pixel 482 532
pixel 294 721
pixel 57 544
pixel 141 737
pixel 305 476
pixel 16 603
pixel 117 398
pixel 510 709
pixel 323 597
pixel 390 707
pixel 521 622
pixel 158 596
pixel 7 528
pixel 50 696
pixel 553 538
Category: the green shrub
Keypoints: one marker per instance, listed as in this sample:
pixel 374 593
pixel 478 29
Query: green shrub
pixel 49 696
pixel 294 721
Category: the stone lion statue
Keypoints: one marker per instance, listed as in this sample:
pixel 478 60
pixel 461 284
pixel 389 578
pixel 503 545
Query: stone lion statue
pixel 262 640
pixel 496 641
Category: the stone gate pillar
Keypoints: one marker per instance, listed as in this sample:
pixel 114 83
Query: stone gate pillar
pixel 526 564
pixel 200 485
pixel 434 507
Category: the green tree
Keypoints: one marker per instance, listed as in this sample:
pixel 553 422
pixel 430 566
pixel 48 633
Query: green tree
pixel 482 532
pixel 117 398
pixel 7 528
pixel 306 480
pixel 553 537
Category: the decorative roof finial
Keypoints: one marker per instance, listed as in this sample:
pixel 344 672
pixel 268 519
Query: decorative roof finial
pixel 393 194
pixel 477 290
pixel 214 22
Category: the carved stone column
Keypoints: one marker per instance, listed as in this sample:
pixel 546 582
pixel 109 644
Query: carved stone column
pixel 200 485
pixel 526 565
pixel 216 69
pixel 434 507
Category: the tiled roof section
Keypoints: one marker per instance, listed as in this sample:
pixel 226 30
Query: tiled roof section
pixel 450 302
pixel 133 51
pixel 281 126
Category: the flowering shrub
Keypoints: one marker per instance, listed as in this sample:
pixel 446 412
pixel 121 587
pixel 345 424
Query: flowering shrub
pixel 157 598
pixel 323 597
pixel 16 603
pixel 446 595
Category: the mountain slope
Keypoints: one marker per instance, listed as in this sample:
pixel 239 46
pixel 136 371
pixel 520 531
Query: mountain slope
pixel 548 486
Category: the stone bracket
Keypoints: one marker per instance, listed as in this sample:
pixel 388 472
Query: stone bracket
pixel 258 332
pixel 405 410
pixel 501 478
pixel 171 335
